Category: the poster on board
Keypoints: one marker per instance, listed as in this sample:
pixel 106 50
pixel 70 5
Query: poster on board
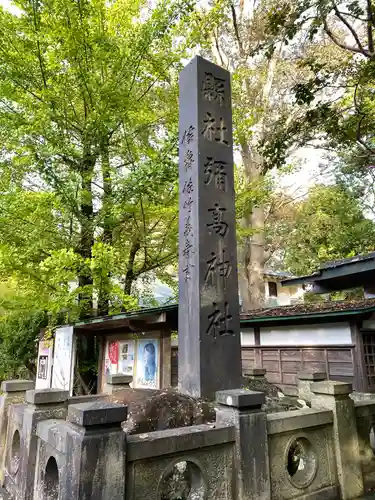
pixel 63 359
pixel 126 357
pixel 44 366
pixel 147 368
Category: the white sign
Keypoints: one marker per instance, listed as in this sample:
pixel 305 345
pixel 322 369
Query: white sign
pixel 63 360
pixel 126 357
pixel 44 368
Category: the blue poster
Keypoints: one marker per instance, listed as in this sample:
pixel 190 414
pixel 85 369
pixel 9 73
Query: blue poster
pixel 147 363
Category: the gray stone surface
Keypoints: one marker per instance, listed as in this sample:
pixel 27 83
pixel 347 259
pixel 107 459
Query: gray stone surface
pixel 154 444
pixel 25 419
pixel 312 376
pixel 255 372
pixel 46 396
pixel 90 462
pixel 209 325
pixel 278 423
pixel 321 483
pixel 119 379
pixel 335 396
pixel 332 388
pixel 17 385
pixel 241 398
pixel 252 480
pixel 212 477
pixel 97 413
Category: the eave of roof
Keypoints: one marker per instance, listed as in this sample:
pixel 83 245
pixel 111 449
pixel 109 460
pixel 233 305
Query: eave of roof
pixel 326 316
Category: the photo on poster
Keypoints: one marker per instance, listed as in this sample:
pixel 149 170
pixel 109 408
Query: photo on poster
pixel 147 363
pixel 126 357
pixel 43 367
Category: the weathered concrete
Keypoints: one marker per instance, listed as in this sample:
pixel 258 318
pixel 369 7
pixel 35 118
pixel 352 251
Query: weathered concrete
pixel 118 382
pixel 17 385
pixel 13 393
pixel 335 396
pixel 46 396
pixel 90 459
pixel 21 483
pixel 195 463
pixel 296 420
pixel 242 409
pixel 96 413
pixel 304 379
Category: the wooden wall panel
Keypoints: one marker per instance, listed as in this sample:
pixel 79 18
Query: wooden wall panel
pixel 283 363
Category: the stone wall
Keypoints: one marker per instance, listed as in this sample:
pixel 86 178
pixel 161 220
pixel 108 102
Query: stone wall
pixel 60 448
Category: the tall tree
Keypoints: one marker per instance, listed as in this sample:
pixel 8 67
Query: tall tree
pixel 88 127
pixel 339 95
pixel 261 79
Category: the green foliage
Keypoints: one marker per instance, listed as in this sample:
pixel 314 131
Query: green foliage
pixel 88 126
pixel 329 224
pixel 19 334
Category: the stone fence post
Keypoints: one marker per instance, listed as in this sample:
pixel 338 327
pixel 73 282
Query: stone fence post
pixel 242 409
pixel 335 396
pixel 96 448
pixel 42 404
pixel 304 380
pixel 118 382
pixel 13 392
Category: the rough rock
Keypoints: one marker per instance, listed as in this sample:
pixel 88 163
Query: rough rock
pixel 150 410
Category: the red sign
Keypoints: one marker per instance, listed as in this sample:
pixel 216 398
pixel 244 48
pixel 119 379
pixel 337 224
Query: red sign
pixel 113 352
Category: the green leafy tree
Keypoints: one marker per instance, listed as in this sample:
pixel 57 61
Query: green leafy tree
pixel 88 127
pixel 329 224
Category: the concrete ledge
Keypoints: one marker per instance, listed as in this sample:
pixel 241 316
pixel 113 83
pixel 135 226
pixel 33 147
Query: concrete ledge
pixel 312 376
pixel 17 385
pixel 119 379
pixel 255 372
pixel 97 413
pixel 46 396
pixel 154 444
pixel 364 408
pixel 241 398
pixel 278 423
pixel 332 388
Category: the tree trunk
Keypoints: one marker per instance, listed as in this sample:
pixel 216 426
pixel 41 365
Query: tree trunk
pixel 87 232
pixel 103 298
pixel 130 274
pixel 253 254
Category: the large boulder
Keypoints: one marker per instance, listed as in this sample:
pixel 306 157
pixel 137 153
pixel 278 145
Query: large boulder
pixel 155 410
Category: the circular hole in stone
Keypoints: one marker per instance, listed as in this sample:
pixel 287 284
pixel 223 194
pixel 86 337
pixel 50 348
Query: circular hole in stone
pixel 15 453
pixel 182 481
pixel 301 462
pixel 51 480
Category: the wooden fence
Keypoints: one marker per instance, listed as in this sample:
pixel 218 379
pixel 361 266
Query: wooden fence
pixel 283 363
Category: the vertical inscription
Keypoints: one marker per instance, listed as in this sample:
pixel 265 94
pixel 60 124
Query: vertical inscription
pixel 187 204
pixel 209 337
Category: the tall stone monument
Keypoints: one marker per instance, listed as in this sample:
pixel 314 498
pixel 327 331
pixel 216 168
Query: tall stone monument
pixel 209 323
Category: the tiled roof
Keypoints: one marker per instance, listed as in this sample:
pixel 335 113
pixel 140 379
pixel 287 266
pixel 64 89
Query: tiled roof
pixel 310 308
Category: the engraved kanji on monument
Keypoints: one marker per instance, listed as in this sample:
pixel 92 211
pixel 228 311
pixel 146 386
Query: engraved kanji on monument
pixel 209 356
